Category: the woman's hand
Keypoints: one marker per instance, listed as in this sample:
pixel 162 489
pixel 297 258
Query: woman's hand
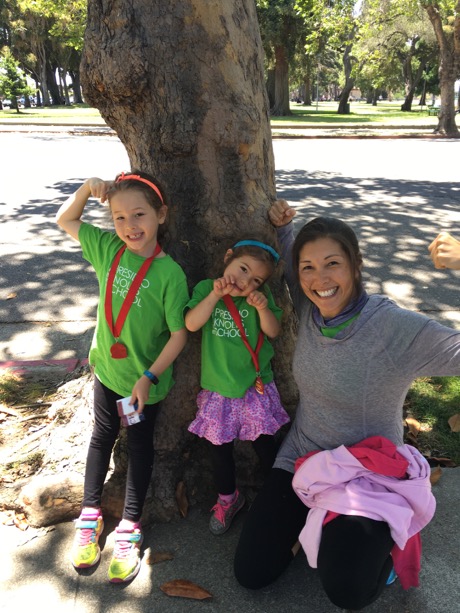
pixel 281 213
pixel 445 251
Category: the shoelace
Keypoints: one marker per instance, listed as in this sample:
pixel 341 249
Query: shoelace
pixel 86 536
pixel 219 508
pixel 122 549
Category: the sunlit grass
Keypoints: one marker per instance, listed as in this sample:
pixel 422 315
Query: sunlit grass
pixel 63 114
pixel 432 401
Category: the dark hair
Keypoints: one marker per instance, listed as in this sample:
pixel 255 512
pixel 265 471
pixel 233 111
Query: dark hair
pixel 258 253
pixel 150 194
pixel 337 230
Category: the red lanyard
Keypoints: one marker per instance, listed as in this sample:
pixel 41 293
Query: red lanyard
pixel 260 340
pixel 116 328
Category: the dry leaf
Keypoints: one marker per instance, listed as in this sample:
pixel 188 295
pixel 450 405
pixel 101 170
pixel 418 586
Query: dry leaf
pixel 413 425
pixel 444 461
pixel 181 498
pixel 454 422
pixel 185 589
pixel 12 295
pixel 20 521
pixel 435 475
pixel 159 556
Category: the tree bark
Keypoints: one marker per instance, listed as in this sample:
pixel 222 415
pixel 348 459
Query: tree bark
pixel 344 107
pixel 182 84
pixel 449 65
pixel 281 106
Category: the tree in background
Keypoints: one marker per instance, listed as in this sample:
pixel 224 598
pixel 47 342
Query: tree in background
pixel 13 83
pixel 182 84
pixel 282 35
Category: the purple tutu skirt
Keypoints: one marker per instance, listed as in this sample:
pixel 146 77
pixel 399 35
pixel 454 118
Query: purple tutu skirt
pixel 222 420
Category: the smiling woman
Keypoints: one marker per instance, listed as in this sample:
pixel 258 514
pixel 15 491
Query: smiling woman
pixel 355 359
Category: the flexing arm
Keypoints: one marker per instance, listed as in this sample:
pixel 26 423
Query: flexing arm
pixel 69 215
pixel 199 315
pixel 269 325
pixel 171 350
pixel 445 251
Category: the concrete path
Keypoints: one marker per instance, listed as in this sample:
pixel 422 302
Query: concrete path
pixel 397 195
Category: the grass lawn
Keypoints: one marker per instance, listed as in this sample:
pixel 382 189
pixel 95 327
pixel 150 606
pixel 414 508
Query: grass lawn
pixel 362 114
pixel 60 115
pixel 385 113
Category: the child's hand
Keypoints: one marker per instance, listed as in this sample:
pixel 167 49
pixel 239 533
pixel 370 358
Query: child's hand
pixel 224 285
pixel 257 300
pixel 140 393
pixel 445 251
pixel 280 213
pixel 99 188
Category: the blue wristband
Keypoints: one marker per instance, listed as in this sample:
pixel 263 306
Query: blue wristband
pixel 152 377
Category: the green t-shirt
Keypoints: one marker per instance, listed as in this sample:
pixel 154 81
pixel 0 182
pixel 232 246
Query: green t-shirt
pixel 226 364
pixel 157 311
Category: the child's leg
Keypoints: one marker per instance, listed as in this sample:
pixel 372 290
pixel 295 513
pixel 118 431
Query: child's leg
pixel 224 468
pixel 140 463
pixel 230 500
pixel 266 448
pixel 105 432
pixel 126 558
pixel 354 560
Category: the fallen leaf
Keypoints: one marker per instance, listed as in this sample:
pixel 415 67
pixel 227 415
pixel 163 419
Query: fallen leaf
pixel 185 589
pixel 413 425
pixel 159 556
pixel 444 461
pixel 454 422
pixel 12 295
pixel 20 521
pixel 435 475
pixel 181 498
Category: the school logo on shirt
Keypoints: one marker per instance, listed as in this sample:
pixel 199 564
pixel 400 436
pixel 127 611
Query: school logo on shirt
pixel 122 282
pixel 223 324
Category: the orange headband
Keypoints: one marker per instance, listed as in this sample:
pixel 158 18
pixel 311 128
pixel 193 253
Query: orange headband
pixel 124 177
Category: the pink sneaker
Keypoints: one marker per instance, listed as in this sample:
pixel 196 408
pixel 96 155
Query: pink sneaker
pixel 223 514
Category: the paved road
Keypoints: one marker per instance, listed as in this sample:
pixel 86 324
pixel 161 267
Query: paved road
pixel 397 194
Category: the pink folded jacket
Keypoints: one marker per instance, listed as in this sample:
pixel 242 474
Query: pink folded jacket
pixel 374 479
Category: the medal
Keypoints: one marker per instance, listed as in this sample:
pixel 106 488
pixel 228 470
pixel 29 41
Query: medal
pixel 118 351
pixel 258 383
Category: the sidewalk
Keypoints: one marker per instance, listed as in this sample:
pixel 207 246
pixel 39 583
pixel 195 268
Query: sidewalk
pixel 37 571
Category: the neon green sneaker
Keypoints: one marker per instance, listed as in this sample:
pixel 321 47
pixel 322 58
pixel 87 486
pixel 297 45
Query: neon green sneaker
pixel 86 551
pixel 126 559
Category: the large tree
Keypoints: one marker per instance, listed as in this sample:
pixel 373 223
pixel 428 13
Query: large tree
pixel 182 84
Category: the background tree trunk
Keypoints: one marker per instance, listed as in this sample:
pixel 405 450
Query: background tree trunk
pixel 281 107
pixel 344 106
pixel 182 84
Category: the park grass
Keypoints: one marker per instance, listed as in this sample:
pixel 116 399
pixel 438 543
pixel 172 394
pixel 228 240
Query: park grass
pixel 67 115
pixel 432 401
pixel 361 114
pixel 315 116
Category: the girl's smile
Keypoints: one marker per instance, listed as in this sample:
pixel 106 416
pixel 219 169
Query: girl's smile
pixel 325 276
pixel 246 274
pixel 136 222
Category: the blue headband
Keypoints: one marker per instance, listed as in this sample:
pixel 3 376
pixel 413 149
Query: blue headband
pixel 270 250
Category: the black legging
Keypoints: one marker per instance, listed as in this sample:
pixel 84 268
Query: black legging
pixel 224 465
pixel 140 452
pixel 354 559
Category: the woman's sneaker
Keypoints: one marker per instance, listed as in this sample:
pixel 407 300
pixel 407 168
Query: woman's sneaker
pixel 223 513
pixel 86 551
pixel 126 559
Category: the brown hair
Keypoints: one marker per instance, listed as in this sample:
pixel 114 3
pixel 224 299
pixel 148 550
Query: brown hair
pixel 153 198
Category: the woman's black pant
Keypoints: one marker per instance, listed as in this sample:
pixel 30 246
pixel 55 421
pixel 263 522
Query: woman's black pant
pixel 354 559
pixel 140 452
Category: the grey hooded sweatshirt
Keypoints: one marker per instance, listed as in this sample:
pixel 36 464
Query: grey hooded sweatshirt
pixel 354 385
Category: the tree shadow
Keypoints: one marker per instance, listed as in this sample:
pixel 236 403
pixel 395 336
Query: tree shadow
pixel 395 220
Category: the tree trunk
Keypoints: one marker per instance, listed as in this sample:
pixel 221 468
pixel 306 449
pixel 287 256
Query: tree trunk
pixel 271 79
pixel 449 64
pixel 281 107
pixel 307 84
pixel 344 106
pixel 182 84
pixel 52 85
